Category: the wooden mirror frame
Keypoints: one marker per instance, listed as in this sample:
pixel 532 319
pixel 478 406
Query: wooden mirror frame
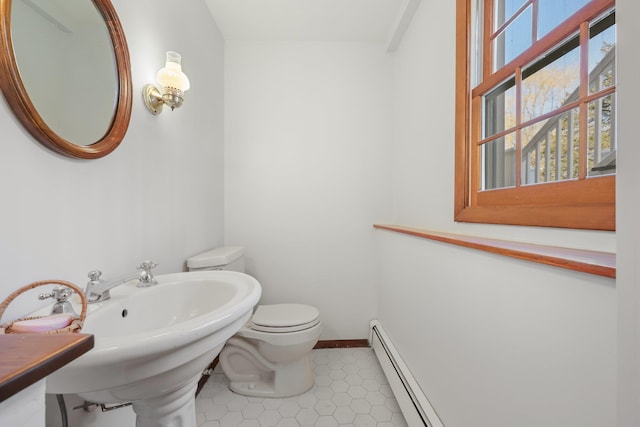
pixel 19 101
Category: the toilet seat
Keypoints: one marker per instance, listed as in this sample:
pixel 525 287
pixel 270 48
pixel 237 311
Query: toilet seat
pixel 281 318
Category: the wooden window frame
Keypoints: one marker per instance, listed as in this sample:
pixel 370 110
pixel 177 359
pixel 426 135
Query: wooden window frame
pixel 584 203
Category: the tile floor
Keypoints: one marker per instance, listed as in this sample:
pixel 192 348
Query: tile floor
pixel 350 390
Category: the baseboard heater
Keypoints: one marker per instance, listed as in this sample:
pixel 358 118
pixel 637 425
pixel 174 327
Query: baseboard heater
pixel 413 403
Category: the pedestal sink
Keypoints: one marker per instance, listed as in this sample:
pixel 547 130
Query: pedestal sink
pixel 152 344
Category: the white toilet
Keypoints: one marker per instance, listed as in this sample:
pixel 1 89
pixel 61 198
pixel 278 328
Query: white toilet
pixel 269 356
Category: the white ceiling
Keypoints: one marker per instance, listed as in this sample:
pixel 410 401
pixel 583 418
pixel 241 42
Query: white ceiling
pixel 307 20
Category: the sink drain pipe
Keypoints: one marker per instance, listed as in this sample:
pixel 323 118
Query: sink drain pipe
pixel 63 410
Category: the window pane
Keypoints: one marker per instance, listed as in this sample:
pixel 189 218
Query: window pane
pixel 499 163
pixel 602 60
pixel 504 10
pixel 500 109
pixel 552 12
pixel 550 149
pixel 602 145
pixel 549 88
pixel 513 40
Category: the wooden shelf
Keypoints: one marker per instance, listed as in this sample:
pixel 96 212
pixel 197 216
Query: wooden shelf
pixel 591 262
pixel 27 358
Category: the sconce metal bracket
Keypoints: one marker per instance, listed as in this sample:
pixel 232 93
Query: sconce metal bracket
pixel 152 99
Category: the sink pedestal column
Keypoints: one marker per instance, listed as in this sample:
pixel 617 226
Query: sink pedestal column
pixel 174 409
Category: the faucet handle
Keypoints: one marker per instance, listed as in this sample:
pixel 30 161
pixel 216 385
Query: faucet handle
pixel 62 305
pixel 147 265
pixel 94 275
pixel 146 277
pixel 60 293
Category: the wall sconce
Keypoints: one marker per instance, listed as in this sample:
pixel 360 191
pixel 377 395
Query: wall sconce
pixel 173 82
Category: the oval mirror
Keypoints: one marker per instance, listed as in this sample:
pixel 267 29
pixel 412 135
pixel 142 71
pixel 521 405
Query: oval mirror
pixel 68 78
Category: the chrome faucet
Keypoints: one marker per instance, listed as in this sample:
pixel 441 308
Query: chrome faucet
pixel 62 305
pixel 98 289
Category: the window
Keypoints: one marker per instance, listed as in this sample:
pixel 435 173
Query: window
pixel 535 113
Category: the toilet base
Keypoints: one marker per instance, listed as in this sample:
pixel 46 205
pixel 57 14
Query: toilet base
pixel 251 374
pixel 287 380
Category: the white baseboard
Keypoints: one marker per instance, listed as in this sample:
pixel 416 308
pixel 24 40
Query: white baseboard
pixel 415 406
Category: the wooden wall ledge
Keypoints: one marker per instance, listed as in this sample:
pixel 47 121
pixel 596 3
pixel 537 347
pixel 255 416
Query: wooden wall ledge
pixel 591 262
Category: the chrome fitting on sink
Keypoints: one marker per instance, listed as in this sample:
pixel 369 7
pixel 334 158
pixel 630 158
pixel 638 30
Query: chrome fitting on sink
pixel 62 305
pixel 146 277
pixel 98 289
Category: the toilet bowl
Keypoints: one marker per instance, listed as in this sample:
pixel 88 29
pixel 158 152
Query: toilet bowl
pixel 270 355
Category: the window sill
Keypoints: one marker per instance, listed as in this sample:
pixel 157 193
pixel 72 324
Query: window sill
pixel 591 262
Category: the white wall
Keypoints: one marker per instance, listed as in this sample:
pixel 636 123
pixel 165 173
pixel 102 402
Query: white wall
pixel 307 132
pixel 493 341
pixel 158 196
pixel 26 408
pixel 497 342
pixel 628 212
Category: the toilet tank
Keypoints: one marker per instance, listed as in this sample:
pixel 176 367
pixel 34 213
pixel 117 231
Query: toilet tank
pixel 222 258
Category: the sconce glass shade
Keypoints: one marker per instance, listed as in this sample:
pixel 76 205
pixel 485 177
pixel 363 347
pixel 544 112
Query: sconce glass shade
pixel 174 84
pixel 171 75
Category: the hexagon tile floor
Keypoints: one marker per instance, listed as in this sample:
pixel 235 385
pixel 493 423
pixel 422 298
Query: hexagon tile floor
pixel 350 390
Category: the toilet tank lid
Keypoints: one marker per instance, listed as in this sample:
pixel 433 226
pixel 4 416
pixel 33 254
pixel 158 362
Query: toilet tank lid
pixel 215 257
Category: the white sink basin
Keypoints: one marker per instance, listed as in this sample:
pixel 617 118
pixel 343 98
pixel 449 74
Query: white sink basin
pixel 152 344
